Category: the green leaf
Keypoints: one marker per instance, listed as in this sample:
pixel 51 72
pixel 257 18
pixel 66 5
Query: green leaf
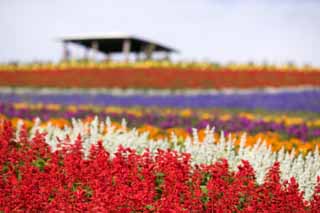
pixel 39 163
pixel 149 207
pixel 204 189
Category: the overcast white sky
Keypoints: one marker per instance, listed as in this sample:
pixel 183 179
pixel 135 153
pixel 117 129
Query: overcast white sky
pixel 217 30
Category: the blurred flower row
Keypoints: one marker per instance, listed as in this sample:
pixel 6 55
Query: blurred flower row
pixel 26 110
pixel 157 78
pixel 154 64
pixel 275 100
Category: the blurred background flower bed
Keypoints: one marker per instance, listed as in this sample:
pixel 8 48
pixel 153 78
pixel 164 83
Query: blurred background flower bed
pixel 159 75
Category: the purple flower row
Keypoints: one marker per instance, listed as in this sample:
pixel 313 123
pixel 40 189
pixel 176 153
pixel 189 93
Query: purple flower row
pixel 282 101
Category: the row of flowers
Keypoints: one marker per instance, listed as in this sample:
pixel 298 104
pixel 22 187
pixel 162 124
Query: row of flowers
pixel 288 118
pixel 275 140
pixel 95 167
pixel 158 78
pixel 305 129
pixel 283 100
pixel 154 64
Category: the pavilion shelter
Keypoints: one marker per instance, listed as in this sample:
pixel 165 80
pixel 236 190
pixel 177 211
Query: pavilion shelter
pixel 116 43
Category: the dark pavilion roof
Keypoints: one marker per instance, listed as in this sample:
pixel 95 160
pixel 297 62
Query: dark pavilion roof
pixel 113 42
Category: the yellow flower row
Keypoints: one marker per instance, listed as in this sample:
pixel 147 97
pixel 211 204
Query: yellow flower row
pixel 149 64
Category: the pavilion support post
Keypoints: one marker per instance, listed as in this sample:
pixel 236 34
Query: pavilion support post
pixel 95 47
pixel 167 56
pixel 108 57
pixel 149 51
pixel 138 56
pixel 86 54
pixel 66 52
pixel 126 49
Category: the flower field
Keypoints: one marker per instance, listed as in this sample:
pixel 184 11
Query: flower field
pixel 159 138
